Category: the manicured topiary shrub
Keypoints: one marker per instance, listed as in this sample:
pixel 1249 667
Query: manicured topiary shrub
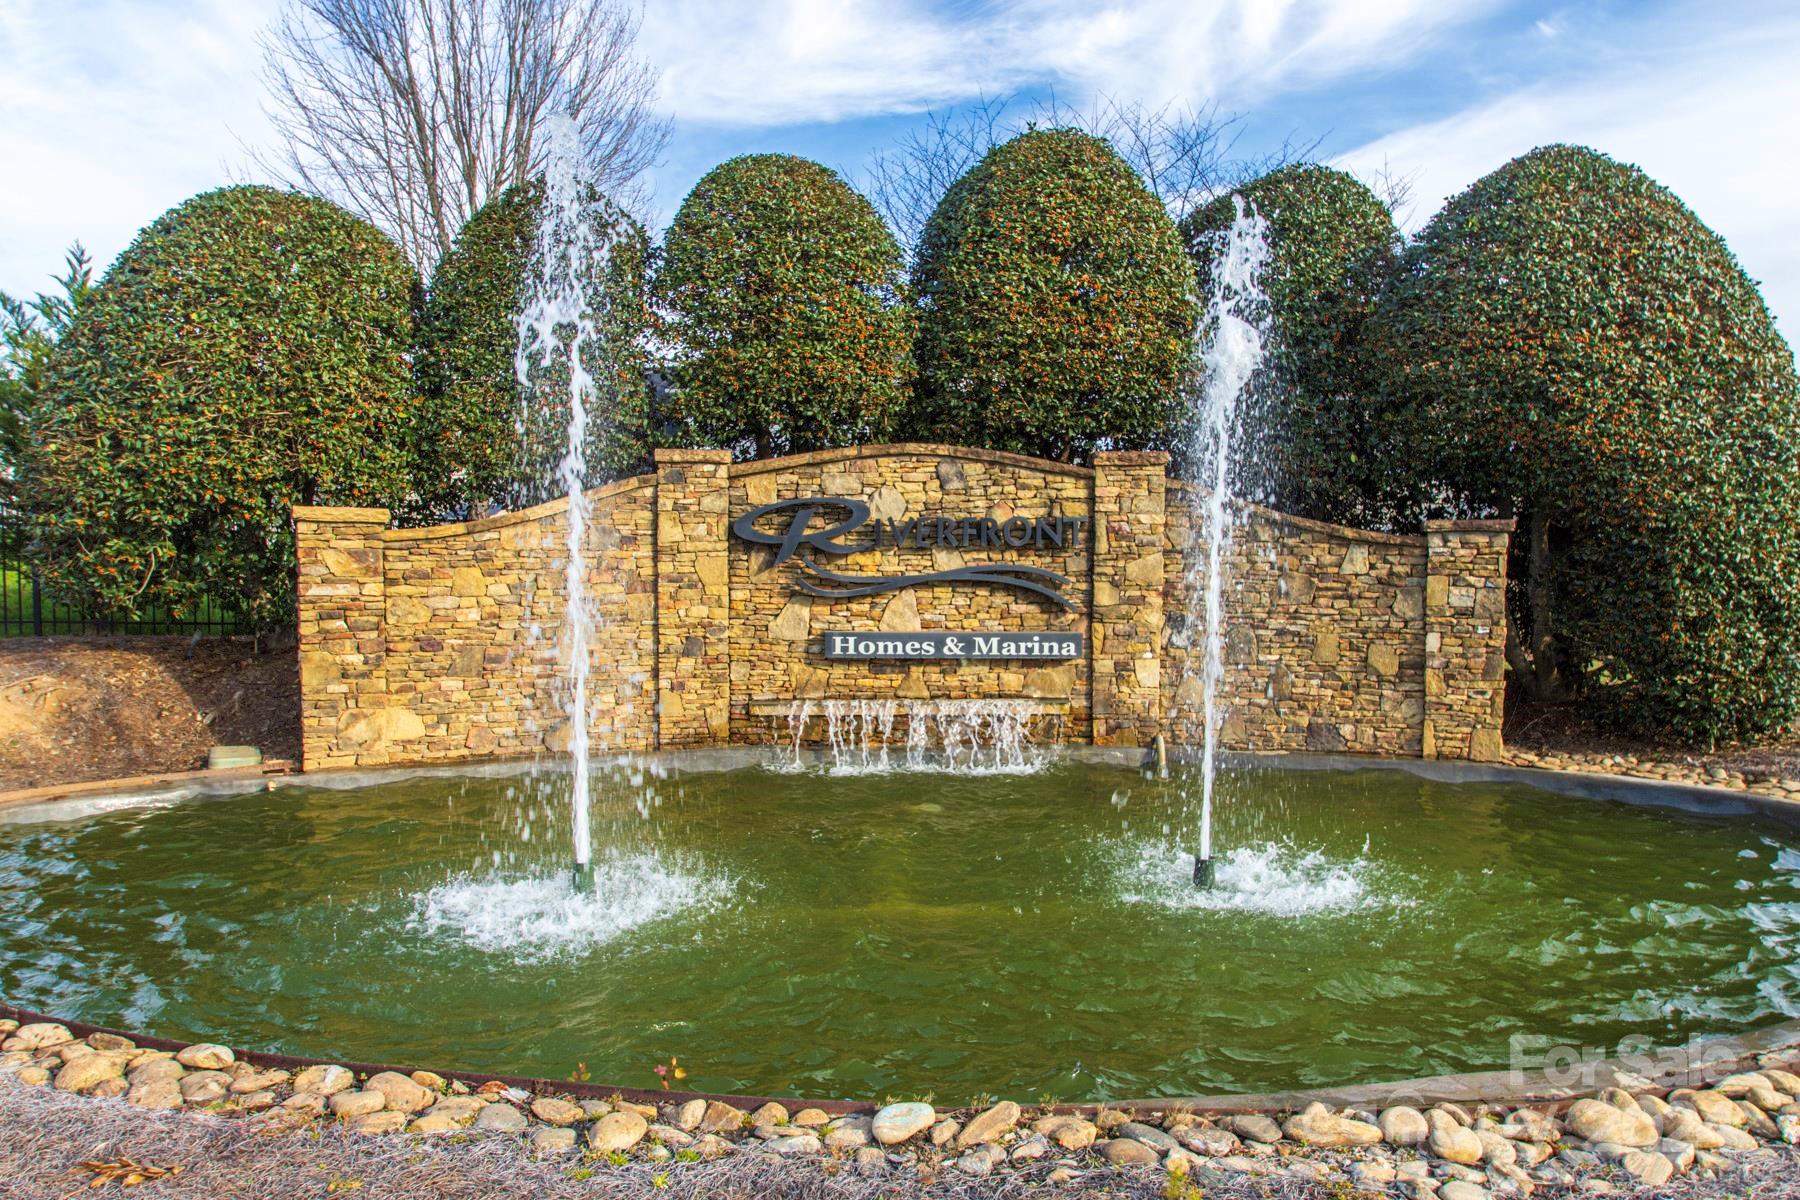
pixel 1307 436
pixel 1570 344
pixel 486 447
pixel 1057 304
pixel 247 353
pixel 786 311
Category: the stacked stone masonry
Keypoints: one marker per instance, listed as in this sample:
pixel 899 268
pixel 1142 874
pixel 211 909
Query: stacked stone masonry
pixel 1131 554
pixel 692 597
pixel 1324 637
pixel 1465 638
pixel 440 644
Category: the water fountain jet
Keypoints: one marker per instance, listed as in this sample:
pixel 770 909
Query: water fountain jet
pixel 559 331
pixel 1231 340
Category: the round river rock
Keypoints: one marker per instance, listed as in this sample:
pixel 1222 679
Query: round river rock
pixel 897 1122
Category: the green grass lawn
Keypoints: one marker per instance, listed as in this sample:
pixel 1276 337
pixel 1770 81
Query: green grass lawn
pixel 15 606
pixel 15 614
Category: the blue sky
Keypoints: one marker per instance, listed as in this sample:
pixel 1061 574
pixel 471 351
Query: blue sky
pixel 113 110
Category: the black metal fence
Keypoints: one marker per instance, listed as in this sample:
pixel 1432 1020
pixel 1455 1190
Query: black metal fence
pixel 27 610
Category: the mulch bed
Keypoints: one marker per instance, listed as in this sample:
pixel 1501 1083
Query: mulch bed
pixel 1560 729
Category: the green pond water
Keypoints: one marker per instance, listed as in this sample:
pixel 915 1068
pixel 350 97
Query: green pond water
pixel 907 933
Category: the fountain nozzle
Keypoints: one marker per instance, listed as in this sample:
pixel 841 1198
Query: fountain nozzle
pixel 1203 872
pixel 582 878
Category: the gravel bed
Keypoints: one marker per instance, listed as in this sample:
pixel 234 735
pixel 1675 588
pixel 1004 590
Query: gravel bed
pixel 46 1136
pixel 100 1111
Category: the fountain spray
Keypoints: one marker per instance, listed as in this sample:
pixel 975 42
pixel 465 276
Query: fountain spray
pixel 1232 336
pixel 558 335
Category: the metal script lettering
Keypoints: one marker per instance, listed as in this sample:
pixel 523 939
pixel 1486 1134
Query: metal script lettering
pixel 1014 532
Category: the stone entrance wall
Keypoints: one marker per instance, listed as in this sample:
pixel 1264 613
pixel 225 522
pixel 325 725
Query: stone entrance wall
pixel 775 630
pixel 431 645
pixel 1344 640
pixel 417 645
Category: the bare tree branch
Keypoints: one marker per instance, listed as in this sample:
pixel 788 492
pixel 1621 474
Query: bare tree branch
pixel 414 113
pixel 1394 189
pixel 907 179
pixel 1185 156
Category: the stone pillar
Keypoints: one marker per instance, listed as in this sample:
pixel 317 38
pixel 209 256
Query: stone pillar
pixel 1125 627
pixel 693 598
pixel 342 595
pixel 1465 638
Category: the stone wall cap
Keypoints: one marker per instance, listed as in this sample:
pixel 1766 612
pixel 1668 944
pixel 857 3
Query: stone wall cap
pixel 1131 458
pixel 341 516
pixel 1274 516
pixel 517 516
pixel 935 450
pixel 1490 525
pixel 682 454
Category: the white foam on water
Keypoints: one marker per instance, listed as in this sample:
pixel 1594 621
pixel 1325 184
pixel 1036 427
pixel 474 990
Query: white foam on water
pixel 1269 878
pixel 538 917
pixel 931 764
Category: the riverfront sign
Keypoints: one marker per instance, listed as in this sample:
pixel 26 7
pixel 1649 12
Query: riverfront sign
pixel 855 533
pixel 844 527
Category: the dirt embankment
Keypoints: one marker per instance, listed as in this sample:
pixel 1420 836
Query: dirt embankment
pixel 74 709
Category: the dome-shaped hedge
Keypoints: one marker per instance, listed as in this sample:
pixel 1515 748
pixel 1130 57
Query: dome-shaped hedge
pixel 1569 343
pixel 488 447
pixel 785 302
pixel 1057 304
pixel 248 352
pixel 1332 243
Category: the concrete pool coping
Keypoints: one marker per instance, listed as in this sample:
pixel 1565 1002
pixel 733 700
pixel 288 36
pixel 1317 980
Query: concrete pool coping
pixel 1691 1065
pixel 106 795
pixel 138 783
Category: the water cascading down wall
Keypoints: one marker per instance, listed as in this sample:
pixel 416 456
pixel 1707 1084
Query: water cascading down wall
pixel 439 644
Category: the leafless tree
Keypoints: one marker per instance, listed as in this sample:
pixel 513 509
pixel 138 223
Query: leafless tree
pixel 414 112
pixel 1394 189
pixel 907 179
pixel 1184 155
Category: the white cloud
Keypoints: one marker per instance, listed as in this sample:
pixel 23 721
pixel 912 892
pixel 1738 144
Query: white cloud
pixel 111 112
pixel 771 62
pixel 1236 50
pixel 1718 123
pixel 813 60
